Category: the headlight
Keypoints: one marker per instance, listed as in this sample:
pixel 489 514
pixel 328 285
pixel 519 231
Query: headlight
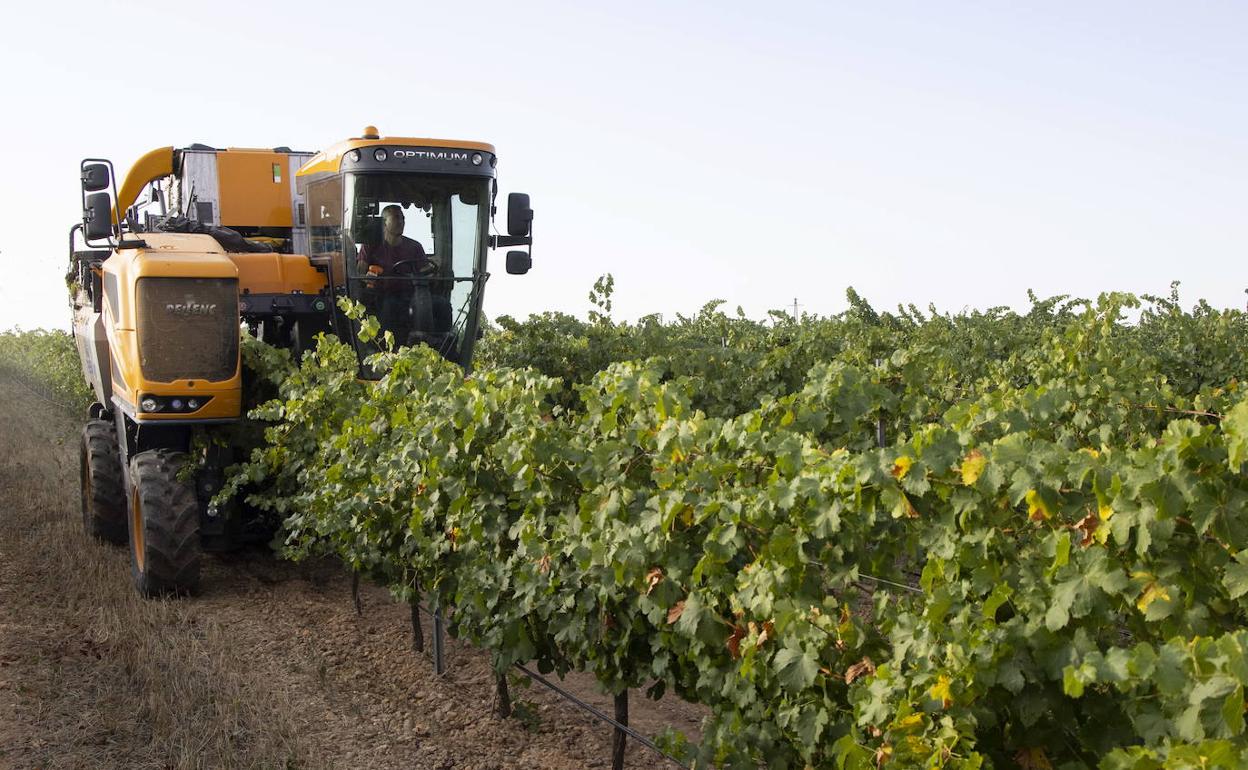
pixel 380 154
pixel 476 159
pixel 354 156
pixel 173 405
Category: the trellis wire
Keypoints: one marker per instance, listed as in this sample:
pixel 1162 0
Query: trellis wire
pixel 587 707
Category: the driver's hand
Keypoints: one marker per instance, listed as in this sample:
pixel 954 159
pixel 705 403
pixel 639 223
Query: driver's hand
pixel 374 270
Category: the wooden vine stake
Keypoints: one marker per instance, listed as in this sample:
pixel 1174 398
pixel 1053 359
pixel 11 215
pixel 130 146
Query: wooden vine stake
pixel 418 633
pixel 355 592
pixel 619 737
pixel 439 641
pixel 504 697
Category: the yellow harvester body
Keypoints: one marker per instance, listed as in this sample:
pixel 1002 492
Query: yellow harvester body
pixel 266 239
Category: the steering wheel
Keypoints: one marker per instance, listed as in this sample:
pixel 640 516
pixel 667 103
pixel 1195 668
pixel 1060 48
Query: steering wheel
pixel 414 267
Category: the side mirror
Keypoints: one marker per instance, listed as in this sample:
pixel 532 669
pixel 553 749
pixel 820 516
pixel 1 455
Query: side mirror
pixel 97 217
pixel 95 177
pixel 519 216
pixel 518 262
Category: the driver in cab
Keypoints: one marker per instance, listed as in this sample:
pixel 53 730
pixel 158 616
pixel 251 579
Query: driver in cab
pixel 394 251
pixel 394 248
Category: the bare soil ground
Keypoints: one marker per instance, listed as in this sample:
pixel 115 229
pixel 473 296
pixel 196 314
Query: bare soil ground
pixel 269 667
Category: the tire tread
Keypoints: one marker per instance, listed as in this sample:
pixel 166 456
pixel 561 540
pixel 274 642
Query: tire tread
pixel 104 514
pixel 170 525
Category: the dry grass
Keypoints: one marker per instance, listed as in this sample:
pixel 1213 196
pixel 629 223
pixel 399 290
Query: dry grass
pixel 91 675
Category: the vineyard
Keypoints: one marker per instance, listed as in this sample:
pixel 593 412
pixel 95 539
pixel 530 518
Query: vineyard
pixel 47 363
pixel 877 539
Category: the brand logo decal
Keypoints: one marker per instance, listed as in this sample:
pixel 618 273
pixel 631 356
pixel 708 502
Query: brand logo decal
pixel 191 308
pixel 431 154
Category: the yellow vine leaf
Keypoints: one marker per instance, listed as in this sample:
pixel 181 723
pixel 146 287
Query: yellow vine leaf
pixel 940 691
pixel 1037 508
pixel 1152 593
pixel 911 511
pixel 1104 512
pixel 686 516
pixel 973 467
pixel 902 466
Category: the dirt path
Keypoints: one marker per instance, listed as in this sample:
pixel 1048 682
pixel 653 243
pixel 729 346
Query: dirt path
pixel 269 667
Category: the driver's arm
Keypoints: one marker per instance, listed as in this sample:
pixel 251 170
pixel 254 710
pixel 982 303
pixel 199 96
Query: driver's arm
pixel 416 252
pixel 364 259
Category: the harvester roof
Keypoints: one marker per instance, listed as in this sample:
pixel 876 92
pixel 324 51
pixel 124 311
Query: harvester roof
pixel 329 160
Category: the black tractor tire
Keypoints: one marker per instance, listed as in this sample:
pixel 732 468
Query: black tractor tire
pixel 103 484
pixel 165 550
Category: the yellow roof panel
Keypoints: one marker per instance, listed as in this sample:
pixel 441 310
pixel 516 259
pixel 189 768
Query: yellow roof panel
pixel 329 160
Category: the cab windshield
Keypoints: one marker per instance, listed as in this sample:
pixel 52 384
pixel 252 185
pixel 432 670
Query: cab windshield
pixel 413 249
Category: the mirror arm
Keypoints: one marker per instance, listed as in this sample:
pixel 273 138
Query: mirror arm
pixel 77 228
pixel 500 241
pixel 115 229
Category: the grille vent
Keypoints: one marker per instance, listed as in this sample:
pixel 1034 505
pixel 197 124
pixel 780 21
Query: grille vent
pixel 188 328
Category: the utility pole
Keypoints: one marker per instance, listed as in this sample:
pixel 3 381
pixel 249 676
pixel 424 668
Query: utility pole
pixel 795 307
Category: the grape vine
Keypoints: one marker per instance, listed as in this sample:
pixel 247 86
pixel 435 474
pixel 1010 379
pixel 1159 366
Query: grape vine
pixel 1045 563
pixel 47 362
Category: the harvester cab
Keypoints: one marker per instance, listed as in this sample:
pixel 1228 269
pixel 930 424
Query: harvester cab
pixel 199 241
pixel 402 226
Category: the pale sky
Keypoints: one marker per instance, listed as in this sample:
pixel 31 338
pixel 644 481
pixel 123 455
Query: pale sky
pixel 956 153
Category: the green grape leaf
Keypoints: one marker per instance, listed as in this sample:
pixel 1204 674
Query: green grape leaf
pixel 796 668
pixel 1235 427
pixel 1235 578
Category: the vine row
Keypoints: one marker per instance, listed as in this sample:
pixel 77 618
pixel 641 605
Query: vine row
pixel 1046 563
